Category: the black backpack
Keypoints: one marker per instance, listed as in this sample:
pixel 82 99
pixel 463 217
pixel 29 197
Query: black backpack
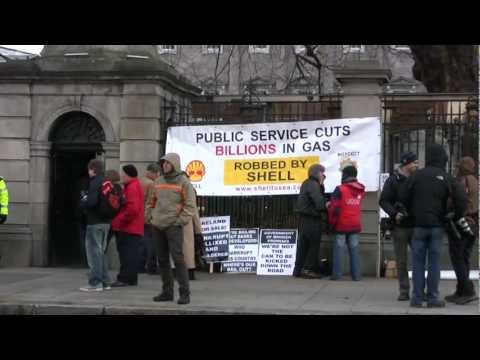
pixel 111 200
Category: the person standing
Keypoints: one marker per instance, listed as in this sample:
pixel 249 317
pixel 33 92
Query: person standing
pixel 96 232
pixel 310 205
pixel 345 217
pixel 3 200
pixel 401 222
pixel 128 226
pixel 461 248
pixel 173 205
pixel 425 197
pixel 148 255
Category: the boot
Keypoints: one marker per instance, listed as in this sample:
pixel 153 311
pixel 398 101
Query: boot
pixel 184 299
pixel 468 295
pixel 191 274
pixel 163 297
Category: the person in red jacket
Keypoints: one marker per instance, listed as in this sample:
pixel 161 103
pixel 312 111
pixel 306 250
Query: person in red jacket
pixel 128 226
pixel 344 213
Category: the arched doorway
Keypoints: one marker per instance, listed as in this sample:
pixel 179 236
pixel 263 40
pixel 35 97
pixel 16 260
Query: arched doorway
pixel 76 138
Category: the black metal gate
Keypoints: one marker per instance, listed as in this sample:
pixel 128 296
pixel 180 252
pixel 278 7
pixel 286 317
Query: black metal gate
pixel 253 211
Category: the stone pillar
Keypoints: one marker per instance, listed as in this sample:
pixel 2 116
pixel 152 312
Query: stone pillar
pixel 362 89
pixel 39 200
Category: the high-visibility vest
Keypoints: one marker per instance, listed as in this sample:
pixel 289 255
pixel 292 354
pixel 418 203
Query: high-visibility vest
pixel 3 197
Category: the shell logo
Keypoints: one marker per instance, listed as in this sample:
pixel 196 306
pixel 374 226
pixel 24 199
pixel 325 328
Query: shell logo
pixel 196 170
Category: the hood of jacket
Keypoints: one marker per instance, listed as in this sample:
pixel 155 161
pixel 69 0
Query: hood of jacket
pixel 436 156
pixel 354 184
pixel 314 169
pixel 466 166
pixel 173 159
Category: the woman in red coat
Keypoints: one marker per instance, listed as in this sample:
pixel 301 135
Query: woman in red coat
pixel 128 226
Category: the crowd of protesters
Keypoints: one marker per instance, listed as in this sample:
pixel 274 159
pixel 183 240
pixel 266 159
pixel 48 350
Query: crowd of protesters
pixel 156 225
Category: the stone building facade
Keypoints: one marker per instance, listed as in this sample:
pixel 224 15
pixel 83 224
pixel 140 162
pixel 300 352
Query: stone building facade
pixel 57 111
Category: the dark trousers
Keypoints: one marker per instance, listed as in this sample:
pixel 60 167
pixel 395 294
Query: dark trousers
pixel 127 246
pixel 402 239
pixel 308 245
pixel 170 241
pixel 152 258
pixel 460 254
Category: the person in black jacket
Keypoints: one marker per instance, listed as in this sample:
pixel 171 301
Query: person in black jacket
pixel 310 205
pixel 425 197
pixel 402 224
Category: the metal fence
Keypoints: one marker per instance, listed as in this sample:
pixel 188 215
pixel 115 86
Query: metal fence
pixel 254 211
pixel 412 122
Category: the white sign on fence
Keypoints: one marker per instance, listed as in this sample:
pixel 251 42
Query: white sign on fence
pixel 383 178
pixel 276 255
pixel 243 251
pixel 216 233
pixel 273 158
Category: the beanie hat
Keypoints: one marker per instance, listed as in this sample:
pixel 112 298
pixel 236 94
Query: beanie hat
pixel 349 171
pixel 436 156
pixel 407 158
pixel 130 170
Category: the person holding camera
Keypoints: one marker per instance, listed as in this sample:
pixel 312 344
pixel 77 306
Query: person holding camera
pixel 310 205
pixel 401 223
pixel 425 197
pixel 463 234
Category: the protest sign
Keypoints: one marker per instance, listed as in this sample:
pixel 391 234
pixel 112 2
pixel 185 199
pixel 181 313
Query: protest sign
pixel 277 251
pixel 216 233
pixel 243 251
pixel 383 178
pixel 273 158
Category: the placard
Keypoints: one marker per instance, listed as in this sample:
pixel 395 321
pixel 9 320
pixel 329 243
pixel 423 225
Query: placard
pixel 243 251
pixel 216 234
pixel 277 251
pixel 383 178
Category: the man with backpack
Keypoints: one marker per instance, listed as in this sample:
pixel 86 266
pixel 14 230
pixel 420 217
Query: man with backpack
pixel 98 225
pixel 128 226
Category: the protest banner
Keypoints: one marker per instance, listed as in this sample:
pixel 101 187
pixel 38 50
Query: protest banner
pixel 216 234
pixel 277 251
pixel 273 158
pixel 243 251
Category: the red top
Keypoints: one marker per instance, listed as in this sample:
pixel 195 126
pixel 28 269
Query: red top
pixel 130 219
pixel 345 209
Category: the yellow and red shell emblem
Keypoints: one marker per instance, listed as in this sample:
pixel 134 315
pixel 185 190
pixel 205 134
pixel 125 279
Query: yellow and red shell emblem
pixel 196 170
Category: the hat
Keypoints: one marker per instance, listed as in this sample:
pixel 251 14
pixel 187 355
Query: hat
pixel 130 170
pixel 349 171
pixel 407 158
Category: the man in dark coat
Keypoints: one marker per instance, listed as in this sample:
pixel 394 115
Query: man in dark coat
pixel 425 197
pixel 310 205
pixel 401 222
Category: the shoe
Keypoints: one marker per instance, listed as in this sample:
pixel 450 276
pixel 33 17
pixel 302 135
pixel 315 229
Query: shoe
pixel 119 284
pixel 452 297
pixel 297 273
pixel 403 297
pixel 183 300
pixel 107 287
pixel 163 297
pixel 89 288
pixel 437 304
pixel 335 278
pixel 415 305
pixel 309 274
pixel 465 299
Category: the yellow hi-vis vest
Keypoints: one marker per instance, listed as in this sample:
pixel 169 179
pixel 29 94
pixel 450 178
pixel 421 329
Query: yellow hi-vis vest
pixel 3 197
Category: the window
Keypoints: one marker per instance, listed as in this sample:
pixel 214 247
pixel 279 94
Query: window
pixel 353 49
pixel 167 49
pixel 213 49
pixel 259 49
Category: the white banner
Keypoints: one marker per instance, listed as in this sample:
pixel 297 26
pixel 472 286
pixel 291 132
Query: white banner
pixel 273 158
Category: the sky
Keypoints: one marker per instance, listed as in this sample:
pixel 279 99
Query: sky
pixel 34 49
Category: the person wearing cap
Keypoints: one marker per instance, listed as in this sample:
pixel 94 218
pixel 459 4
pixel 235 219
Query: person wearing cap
pixel 309 207
pixel 425 197
pixel 128 226
pixel 345 217
pixel 172 205
pixel 401 222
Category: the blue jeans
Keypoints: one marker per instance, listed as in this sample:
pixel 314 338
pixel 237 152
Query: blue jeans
pixel 96 245
pixel 352 240
pixel 423 240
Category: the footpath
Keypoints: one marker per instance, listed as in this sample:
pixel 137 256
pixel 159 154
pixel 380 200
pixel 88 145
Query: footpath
pixel 54 291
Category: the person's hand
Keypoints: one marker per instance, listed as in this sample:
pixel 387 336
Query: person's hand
pixel 3 218
pixel 321 179
pixel 399 217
